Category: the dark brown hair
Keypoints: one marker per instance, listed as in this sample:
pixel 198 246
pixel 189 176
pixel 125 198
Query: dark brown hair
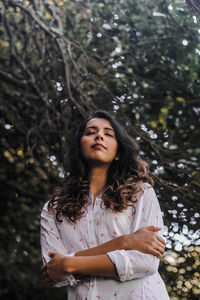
pixel 123 179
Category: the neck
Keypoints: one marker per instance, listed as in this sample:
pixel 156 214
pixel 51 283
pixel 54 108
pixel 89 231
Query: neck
pixel 97 179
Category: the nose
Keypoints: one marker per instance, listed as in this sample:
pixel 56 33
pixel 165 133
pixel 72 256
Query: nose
pixel 99 136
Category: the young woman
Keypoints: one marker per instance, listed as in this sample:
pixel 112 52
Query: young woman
pixel 98 233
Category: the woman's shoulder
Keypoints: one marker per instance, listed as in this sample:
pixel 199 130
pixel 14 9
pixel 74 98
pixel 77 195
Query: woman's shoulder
pixel 145 186
pixel 49 208
pixel 146 191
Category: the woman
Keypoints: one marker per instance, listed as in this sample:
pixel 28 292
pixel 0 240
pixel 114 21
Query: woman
pixel 96 227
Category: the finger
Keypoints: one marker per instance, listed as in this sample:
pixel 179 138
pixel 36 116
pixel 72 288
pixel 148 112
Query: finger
pixel 46 280
pixel 44 275
pixel 159 246
pixel 49 281
pixel 158 254
pixel 160 239
pixel 52 283
pixel 43 268
pixel 159 242
pixel 51 254
pixel 158 251
pixel 161 250
pixel 153 228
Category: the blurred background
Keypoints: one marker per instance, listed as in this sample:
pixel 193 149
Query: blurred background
pixel 60 61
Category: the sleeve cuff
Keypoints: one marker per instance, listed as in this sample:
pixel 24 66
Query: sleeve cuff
pixel 70 281
pixel 119 257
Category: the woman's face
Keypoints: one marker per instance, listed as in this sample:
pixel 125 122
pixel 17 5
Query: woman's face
pixel 98 142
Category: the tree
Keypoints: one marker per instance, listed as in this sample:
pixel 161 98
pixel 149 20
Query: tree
pixel 61 60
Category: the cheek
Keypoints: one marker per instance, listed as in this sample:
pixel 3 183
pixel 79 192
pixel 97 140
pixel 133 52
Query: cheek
pixel 114 147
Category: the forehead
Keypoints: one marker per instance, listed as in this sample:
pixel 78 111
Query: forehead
pixel 99 123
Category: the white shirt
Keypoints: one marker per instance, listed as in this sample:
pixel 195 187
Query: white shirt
pixel 138 272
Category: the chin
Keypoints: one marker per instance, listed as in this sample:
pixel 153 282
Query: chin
pixel 98 161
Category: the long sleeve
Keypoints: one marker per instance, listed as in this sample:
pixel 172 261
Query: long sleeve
pixel 133 264
pixel 51 241
pixel 97 226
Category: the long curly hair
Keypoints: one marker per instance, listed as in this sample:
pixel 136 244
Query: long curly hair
pixel 123 182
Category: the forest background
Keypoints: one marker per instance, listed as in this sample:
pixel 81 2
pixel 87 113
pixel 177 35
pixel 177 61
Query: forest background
pixel 61 60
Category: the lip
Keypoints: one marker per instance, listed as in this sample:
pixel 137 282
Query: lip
pixel 98 146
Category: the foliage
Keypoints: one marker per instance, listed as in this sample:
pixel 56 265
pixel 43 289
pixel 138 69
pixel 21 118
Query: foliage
pixel 61 60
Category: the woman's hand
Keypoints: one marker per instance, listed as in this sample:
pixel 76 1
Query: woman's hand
pixel 55 270
pixel 146 240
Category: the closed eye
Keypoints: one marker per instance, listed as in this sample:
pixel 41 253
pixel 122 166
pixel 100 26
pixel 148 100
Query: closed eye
pixel 109 134
pixel 90 132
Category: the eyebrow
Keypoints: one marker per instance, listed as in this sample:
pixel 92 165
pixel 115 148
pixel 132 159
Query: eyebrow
pixel 95 127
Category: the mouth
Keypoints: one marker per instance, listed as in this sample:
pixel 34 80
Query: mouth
pixel 98 146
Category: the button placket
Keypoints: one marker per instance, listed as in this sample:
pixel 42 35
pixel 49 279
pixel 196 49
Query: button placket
pixel 90 223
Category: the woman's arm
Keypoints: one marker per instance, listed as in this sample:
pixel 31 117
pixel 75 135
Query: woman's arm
pixel 95 261
pixel 51 241
pixel 60 266
pixel 144 240
pixel 49 235
pixel 132 264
